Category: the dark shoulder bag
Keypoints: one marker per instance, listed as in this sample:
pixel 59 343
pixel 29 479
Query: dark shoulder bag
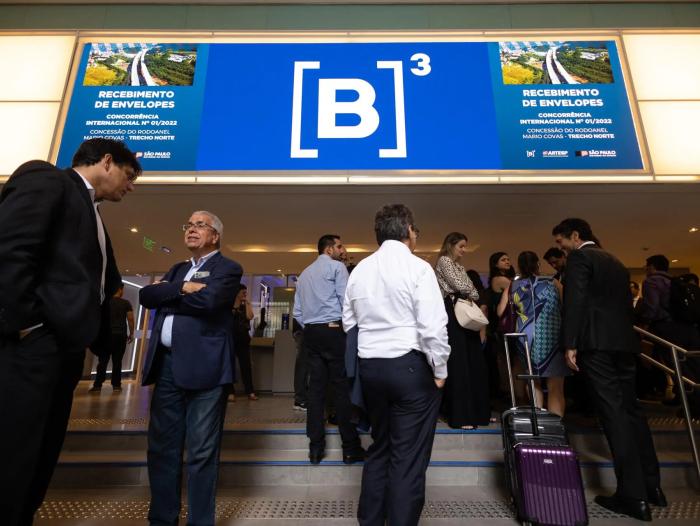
pixel 506 322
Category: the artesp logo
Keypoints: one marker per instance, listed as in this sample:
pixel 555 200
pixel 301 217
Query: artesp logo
pixel 362 107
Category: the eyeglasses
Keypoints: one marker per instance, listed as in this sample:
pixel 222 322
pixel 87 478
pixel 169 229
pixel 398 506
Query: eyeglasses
pixel 199 225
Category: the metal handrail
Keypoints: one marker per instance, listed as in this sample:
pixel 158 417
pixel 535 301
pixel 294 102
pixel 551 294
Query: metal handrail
pixel 667 343
pixel 680 380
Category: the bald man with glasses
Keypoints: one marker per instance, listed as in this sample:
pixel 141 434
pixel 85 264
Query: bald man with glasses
pixel 191 362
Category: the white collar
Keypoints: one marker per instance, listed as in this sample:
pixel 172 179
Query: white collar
pixel 90 188
pixel 393 244
pixel 203 259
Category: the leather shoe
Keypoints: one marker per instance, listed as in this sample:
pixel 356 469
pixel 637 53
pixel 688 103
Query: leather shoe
pixel 315 457
pixel 638 509
pixel 354 456
pixel 657 498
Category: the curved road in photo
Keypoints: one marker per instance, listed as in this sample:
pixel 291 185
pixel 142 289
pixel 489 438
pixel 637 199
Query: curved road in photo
pixel 139 74
pixel 557 73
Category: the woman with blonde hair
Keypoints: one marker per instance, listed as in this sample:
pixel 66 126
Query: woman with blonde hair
pixel 466 398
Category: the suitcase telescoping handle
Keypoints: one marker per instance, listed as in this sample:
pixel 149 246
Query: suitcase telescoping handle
pixel 530 377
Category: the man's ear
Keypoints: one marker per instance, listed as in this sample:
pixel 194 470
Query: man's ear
pixel 107 161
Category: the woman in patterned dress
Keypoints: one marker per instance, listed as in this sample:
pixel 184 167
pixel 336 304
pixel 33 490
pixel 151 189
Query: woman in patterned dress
pixel 466 398
pixel 537 303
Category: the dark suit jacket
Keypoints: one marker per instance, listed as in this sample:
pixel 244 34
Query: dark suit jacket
pixel 352 371
pixel 202 339
pixel 50 259
pixel 598 312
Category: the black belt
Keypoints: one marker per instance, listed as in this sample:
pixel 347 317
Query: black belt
pixel 332 324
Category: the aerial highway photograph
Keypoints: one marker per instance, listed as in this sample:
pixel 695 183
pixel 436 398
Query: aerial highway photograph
pixel 141 64
pixel 554 62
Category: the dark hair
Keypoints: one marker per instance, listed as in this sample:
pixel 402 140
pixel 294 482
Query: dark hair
pixel 92 151
pixel 242 287
pixel 553 252
pixel 392 222
pixel 634 284
pixel 495 271
pixel 573 224
pixel 659 262
pixel 528 264
pixel 325 241
pixel 476 280
pixel 450 241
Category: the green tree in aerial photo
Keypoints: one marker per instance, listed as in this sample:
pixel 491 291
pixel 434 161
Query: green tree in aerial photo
pixel 579 62
pixel 171 67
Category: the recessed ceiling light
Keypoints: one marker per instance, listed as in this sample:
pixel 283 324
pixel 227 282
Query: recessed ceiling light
pixel 279 270
pixel 134 229
pixel 693 229
pixel 167 250
pixel 674 261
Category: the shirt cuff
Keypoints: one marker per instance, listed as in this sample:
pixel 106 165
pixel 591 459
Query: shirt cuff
pixel 440 371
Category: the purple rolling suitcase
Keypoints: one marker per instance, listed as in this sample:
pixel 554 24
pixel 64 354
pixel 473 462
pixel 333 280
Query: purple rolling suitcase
pixel 541 468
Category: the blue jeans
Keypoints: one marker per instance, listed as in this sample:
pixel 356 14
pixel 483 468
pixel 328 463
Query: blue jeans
pixel 179 417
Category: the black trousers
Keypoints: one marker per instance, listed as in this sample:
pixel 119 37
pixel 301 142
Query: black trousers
pixel 325 347
pixel 402 403
pixel 117 346
pixel 37 380
pixel 611 377
pixel 242 350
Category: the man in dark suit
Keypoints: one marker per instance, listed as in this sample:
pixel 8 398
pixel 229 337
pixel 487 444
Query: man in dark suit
pixel 56 269
pixel 600 341
pixel 190 360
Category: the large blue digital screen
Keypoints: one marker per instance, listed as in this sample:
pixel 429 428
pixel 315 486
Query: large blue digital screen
pixel 511 105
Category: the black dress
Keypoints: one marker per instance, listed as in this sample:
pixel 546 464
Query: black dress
pixel 466 396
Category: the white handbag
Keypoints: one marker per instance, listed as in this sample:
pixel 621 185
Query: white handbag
pixel 469 315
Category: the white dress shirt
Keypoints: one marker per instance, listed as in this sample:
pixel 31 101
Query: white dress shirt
pixel 166 332
pixel 394 299
pixel 101 239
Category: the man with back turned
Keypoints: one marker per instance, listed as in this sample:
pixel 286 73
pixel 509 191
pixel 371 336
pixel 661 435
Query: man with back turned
pixel 318 303
pixel 600 341
pixel 56 269
pixel 394 301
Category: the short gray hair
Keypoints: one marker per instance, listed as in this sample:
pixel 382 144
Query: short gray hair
pixel 215 221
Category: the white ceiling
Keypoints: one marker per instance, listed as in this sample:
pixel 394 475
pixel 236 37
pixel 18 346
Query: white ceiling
pixel 633 221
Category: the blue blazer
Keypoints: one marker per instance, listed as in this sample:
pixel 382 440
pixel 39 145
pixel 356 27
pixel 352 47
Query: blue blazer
pixel 202 343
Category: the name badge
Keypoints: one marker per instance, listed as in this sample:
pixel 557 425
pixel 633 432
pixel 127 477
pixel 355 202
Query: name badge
pixel 199 275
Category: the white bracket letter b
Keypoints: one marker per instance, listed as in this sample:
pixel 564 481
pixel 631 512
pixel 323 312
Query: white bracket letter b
pixel 329 107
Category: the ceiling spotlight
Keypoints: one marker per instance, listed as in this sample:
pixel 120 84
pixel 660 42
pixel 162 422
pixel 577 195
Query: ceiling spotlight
pixel 279 270
pixel 674 261
pixel 166 250
pixel 693 229
pixel 134 229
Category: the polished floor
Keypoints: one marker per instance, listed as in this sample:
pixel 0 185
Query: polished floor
pixel 266 478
